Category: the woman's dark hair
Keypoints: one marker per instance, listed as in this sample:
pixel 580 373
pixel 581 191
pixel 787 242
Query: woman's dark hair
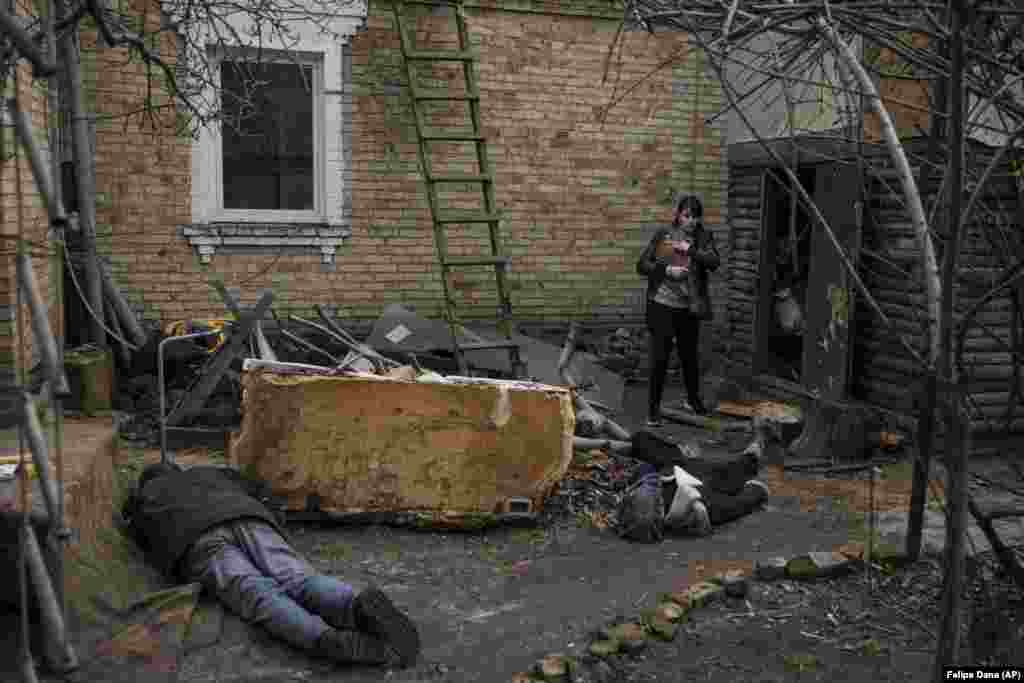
pixel 691 203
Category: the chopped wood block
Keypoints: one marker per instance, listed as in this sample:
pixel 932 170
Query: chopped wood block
pixel 768 409
pixel 445 452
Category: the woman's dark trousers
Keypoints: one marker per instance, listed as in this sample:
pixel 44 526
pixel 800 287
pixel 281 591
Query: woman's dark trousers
pixel 668 326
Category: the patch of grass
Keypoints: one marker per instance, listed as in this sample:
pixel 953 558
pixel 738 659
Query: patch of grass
pixel 800 663
pixel 113 571
pixel 530 536
pixel 860 532
pixel 129 466
pixel 488 552
pixel 333 551
pixel 391 553
pixel 898 471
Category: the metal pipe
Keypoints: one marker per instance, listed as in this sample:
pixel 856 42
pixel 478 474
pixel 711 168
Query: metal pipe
pixel 160 384
pixel 44 183
pixel 70 55
pixel 57 229
pixel 53 620
pixel 37 445
pixel 361 350
pixel 41 324
pixel 310 346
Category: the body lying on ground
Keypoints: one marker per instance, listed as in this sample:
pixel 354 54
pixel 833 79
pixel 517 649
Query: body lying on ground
pixel 211 526
pixel 685 495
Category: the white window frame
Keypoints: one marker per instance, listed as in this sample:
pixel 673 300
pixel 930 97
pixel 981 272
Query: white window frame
pixel 326 227
pixel 208 157
pixel 319 213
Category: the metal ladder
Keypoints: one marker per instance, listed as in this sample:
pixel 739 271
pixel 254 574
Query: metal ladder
pixel 18 409
pixel 48 584
pixel 484 177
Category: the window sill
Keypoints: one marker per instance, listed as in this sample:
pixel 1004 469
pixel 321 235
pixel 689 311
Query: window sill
pixel 206 239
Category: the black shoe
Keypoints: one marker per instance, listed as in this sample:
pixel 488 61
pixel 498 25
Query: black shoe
pixel 355 647
pixel 376 614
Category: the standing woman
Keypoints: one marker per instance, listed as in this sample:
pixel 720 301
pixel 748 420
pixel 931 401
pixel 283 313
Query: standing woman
pixel 676 263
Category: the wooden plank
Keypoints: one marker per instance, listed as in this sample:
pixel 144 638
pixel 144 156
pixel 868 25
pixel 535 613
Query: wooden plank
pixel 215 368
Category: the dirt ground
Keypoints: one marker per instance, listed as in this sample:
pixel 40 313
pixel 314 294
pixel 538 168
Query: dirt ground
pixel 489 604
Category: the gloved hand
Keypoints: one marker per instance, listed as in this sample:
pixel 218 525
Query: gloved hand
pixel 675 272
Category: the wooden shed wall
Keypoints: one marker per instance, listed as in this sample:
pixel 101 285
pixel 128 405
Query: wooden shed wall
pixel 884 372
pixel 744 264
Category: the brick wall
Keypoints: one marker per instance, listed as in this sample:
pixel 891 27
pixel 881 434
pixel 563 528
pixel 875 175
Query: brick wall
pixel 580 184
pixel 142 176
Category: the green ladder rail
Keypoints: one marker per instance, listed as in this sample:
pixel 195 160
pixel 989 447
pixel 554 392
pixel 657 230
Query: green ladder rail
pixel 472 133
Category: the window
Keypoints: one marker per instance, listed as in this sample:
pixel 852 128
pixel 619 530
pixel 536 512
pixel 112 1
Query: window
pixel 274 173
pixel 268 158
pixel 268 143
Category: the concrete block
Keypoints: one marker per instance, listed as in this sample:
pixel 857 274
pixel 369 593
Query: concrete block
pixel 452 454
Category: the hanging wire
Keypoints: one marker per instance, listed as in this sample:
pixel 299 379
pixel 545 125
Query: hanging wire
pixel 81 295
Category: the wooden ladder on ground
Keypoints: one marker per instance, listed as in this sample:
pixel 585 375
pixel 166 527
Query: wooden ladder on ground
pixel 471 133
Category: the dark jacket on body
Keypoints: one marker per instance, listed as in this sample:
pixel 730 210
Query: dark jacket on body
pixel 167 514
pixel 704 259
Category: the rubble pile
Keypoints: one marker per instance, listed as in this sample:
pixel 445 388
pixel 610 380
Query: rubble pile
pixel 592 488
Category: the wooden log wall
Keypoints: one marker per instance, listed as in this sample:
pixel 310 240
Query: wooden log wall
pixel 744 263
pixel 884 373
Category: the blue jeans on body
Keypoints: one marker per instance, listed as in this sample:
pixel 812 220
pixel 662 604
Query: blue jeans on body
pixel 253 570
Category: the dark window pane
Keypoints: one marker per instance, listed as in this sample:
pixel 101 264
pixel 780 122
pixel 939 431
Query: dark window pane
pixel 267 135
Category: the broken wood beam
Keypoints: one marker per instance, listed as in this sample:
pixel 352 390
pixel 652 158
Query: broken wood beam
pixel 1001 511
pixel 262 345
pixel 215 368
pixel 712 423
pixel 335 331
pixel 309 346
pixel 593 423
pixel 129 323
pixel 1007 556
pixel 581 443
pixel 229 301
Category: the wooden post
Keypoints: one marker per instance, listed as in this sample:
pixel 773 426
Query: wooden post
pixel 958 445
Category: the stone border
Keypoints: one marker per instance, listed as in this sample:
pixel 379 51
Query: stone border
pixel 662 621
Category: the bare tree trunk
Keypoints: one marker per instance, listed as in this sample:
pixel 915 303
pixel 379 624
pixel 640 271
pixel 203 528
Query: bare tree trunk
pixel 929 264
pixel 948 650
pixel 70 56
pixel 929 388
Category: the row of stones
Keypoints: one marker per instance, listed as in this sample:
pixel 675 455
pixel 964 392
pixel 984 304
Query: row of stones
pixel 663 621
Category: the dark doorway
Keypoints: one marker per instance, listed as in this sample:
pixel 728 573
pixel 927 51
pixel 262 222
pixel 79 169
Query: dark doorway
pixel 785 265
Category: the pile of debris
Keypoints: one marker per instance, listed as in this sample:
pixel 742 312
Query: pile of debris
pixel 398 338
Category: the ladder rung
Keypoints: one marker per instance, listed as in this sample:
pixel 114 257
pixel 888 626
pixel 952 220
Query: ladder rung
pixel 452 135
pixel 476 261
pixel 467 217
pixel 485 346
pixel 441 55
pixel 461 178
pixel 443 95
